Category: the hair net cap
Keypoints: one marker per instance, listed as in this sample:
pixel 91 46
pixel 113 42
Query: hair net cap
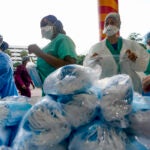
pixel 51 18
pixel 54 21
pixel 146 38
pixel 115 16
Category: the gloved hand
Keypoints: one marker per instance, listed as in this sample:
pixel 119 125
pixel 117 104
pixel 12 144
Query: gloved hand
pixel 146 84
pixel 131 55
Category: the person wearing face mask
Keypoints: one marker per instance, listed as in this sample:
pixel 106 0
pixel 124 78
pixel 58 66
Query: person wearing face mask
pixel 59 52
pixel 146 42
pixel 117 55
pixel 7 83
pixel 146 76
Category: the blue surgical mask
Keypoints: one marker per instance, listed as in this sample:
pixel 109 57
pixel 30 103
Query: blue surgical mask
pixel 47 32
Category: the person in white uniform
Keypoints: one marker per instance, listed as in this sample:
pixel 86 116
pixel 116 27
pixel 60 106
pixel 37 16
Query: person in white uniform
pixel 116 55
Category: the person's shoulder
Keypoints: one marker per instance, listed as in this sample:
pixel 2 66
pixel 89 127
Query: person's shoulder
pixel 130 41
pixel 64 38
pixel 99 44
pixel 4 56
pixel 133 43
pixel 98 47
pixel 60 37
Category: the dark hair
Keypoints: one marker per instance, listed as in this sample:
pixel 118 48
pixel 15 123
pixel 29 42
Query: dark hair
pixel 4 46
pixel 25 59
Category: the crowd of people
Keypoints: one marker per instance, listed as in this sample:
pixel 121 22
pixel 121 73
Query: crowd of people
pixel 114 54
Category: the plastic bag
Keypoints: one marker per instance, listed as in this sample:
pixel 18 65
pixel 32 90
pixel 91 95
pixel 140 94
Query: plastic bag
pixel 44 125
pixel 70 79
pixel 97 136
pixel 12 110
pixel 105 65
pixel 31 67
pixel 126 68
pixel 116 99
pixel 81 109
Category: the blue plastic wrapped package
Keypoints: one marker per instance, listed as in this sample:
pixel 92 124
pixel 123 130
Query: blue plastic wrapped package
pixel 140 102
pixel 60 146
pixel 139 120
pixel 11 111
pixel 31 68
pixel 97 136
pixel 31 146
pixel 139 123
pixel 69 79
pixel 116 100
pixel 146 97
pixel 5 133
pixel 5 148
pixel 19 98
pixel 144 141
pixel 133 143
pixel 44 125
pixel 81 109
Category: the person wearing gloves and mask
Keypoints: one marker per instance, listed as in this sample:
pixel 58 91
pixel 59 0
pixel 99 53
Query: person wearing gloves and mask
pixel 146 42
pixel 146 75
pixel 7 83
pixel 117 55
pixel 59 52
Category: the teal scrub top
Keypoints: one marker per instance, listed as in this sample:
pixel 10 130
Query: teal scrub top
pixel 147 71
pixel 60 47
pixel 116 51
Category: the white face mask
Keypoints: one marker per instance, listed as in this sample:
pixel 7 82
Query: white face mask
pixel 47 32
pixel 110 30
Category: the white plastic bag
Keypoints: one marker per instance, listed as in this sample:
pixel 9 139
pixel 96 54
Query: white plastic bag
pixel 31 67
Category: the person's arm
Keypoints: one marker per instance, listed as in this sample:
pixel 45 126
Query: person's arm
pixel 131 55
pixel 146 84
pixel 138 56
pixel 18 78
pixel 53 61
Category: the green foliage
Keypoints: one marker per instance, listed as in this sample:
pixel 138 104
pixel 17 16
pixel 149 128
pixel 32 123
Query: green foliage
pixel 135 36
pixel 23 53
pixel 16 64
pixel 8 52
pixel 80 59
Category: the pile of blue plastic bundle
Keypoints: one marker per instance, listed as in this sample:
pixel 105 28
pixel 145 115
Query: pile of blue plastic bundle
pixel 81 112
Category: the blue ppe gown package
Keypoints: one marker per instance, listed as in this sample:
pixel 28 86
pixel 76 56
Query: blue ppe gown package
pixel 44 125
pixel 69 79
